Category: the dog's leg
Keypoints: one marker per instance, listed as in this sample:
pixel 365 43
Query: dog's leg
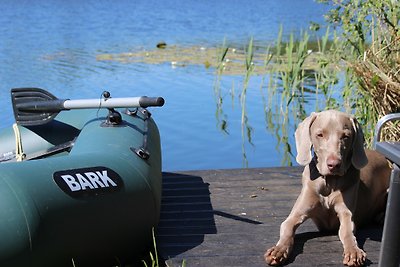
pixel 352 255
pixel 279 253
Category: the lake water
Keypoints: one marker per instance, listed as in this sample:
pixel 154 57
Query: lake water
pixel 53 44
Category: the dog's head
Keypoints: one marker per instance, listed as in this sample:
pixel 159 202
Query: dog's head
pixel 337 141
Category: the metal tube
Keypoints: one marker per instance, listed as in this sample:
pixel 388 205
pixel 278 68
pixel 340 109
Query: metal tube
pixel 390 247
pixel 379 125
pixel 126 102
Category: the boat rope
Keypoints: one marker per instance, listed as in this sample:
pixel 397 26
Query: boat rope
pixel 19 152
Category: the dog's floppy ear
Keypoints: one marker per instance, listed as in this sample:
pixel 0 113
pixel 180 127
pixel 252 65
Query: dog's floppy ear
pixel 359 158
pixel 303 140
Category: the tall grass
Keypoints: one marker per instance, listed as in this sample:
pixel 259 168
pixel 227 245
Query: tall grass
pixel 295 67
pixel 288 69
pixel 246 128
pixel 219 113
pixel 154 260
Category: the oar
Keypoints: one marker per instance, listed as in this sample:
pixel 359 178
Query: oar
pixel 35 106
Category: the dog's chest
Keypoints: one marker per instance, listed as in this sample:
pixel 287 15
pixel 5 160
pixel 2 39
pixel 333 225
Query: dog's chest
pixel 329 192
pixel 327 186
pixel 329 189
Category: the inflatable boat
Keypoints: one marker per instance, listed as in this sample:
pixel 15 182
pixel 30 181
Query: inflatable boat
pixel 78 186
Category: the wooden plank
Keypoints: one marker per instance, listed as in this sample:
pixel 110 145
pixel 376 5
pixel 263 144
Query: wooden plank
pixel 230 217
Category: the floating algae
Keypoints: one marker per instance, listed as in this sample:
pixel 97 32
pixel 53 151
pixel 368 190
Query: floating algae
pixel 234 63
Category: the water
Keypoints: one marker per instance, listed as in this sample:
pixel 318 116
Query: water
pixel 54 44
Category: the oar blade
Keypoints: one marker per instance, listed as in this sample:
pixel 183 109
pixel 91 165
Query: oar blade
pixel 25 102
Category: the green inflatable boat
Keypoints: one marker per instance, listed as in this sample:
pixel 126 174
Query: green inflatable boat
pixel 81 186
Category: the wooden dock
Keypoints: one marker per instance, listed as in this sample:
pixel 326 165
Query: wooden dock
pixel 230 217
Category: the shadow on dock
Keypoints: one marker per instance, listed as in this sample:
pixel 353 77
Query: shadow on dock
pixel 187 214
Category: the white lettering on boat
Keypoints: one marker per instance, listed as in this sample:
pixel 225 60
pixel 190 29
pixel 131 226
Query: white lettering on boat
pixel 88 181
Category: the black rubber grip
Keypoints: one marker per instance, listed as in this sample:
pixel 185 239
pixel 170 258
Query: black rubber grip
pixel 42 106
pixel 145 101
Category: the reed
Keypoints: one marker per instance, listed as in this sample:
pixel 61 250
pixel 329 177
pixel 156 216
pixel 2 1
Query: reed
pixel 221 117
pixel 246 128
pixel 326 76
pixel 287 79
pixel 293 71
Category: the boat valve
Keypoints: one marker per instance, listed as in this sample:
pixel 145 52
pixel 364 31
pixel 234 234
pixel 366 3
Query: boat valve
pixel 113 118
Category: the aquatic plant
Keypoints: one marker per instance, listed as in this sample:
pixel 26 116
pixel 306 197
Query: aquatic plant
pixel 293 70
pixel 294 78
pixel 245 125
pixel 221 117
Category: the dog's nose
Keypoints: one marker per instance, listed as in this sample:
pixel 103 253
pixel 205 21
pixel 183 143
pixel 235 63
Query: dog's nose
pixel 333 163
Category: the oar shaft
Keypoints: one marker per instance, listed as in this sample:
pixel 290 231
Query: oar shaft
pixel 102 103
pixel 126 102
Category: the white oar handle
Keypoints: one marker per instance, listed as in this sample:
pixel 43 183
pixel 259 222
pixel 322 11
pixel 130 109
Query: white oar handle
pixel 126 102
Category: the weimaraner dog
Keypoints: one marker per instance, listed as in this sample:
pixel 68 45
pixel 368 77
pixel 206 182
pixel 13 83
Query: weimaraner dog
pixel 339 175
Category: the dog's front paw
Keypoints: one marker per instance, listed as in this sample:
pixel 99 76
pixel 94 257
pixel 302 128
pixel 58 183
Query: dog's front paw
pixel 277 255
pixel 354 257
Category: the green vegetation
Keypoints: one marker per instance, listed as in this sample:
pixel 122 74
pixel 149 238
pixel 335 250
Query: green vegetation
pixel 293 68
pixel 370 43
pixel 364 56
pixel 153 260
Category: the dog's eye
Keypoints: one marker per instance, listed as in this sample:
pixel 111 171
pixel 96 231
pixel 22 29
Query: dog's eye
pixel 320 135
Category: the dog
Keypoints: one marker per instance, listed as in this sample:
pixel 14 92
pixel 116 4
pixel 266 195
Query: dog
pixel 338 174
